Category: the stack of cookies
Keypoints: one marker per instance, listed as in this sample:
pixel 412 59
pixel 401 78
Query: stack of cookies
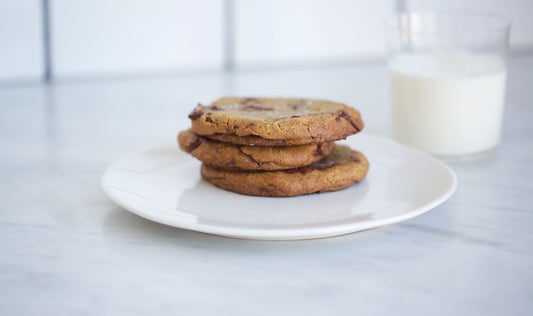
pixel 275 147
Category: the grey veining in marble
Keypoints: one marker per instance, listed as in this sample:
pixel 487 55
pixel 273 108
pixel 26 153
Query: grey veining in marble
pixel 65 248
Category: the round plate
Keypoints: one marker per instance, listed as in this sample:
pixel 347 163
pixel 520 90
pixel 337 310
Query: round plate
pixel 163 184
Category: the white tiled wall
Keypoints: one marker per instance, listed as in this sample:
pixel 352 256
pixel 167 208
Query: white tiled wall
pixel 99 37
pixel 289 31
pixel 118 37
pixel 21 54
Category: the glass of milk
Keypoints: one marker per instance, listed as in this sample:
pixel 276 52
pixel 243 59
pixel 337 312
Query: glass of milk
pixel 447 76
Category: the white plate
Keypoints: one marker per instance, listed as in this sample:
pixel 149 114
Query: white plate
pixel 163 184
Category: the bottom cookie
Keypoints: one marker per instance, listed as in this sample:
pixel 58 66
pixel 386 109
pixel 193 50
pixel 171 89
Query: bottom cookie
pixel 341 169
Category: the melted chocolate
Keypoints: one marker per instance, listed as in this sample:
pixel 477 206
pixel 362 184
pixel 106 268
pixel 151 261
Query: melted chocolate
pixel 321 166
pixel 195 114
pixel 280 142
pixel 247 100
pixel 256 108
pixel 252 104
pixel 297 106
pixel 344 114
pixel 287 117
pixel 259 163
pixel 231 163
pixel 197 141
pixel 318 151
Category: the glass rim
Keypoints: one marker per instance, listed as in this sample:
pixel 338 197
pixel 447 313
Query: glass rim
pixel 501 24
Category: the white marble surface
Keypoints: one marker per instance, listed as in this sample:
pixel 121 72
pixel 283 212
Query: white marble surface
pixel 66 249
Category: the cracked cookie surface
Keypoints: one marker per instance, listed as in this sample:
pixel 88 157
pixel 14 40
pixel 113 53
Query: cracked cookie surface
pixel 275 121
pixel 341 169
pixel 251 157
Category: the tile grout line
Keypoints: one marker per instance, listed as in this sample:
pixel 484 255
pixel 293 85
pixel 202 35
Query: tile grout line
pixel 47 54
pixel 228 44
pixel 400 5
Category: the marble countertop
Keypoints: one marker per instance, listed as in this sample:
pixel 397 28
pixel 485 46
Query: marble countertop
pixel 66 249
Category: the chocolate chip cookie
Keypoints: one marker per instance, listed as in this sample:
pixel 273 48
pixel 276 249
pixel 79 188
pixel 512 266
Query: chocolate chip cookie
pixel 341 169
pixel 275 121
pixel 251 157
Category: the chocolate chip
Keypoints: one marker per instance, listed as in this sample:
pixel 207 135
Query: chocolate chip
pixel 195 114
pixel 252 104
pixel 197 141
pixel 318 151
pixel 231 163
pixel 248 100
pixel 287 117
pixel 258 163
pixel 320 166
pixel 297 106
pixel 356 124
pixel 256 108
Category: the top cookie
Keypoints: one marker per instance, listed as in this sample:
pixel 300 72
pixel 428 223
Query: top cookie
pixel 297 121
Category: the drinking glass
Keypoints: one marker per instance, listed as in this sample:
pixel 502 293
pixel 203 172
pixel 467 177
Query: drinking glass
pixel 447 75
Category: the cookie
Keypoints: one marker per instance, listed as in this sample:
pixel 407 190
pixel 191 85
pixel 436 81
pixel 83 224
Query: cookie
pixel 341 169
pixel 251 157
pixel 254 140
pixel 282 122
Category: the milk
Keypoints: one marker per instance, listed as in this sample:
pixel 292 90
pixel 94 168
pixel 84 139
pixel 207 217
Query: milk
pixel 448 104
